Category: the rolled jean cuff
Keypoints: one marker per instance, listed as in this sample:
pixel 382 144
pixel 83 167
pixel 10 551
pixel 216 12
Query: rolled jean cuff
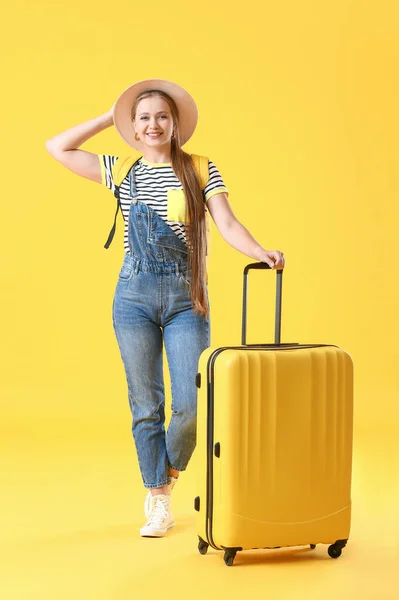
pixel 150 486
pixel 180 469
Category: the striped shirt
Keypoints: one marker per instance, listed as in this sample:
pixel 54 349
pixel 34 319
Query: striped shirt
pixel 153 180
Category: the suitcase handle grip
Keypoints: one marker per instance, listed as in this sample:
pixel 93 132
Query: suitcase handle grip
pixel 279 289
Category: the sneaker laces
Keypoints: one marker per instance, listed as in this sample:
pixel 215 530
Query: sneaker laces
pixel 159 511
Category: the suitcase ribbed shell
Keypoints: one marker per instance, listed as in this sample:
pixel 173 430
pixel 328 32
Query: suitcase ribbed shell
pixel 283 422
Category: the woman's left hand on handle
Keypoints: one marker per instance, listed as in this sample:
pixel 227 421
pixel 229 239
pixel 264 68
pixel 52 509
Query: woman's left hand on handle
pixel 274 258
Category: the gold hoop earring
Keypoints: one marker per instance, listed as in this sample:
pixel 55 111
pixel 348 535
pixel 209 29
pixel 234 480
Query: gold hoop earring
pixel 136 138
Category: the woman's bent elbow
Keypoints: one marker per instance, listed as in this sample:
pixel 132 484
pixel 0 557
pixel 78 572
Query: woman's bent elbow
pixel 50 146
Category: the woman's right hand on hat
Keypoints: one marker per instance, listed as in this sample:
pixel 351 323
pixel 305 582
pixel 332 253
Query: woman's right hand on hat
pixel 110 115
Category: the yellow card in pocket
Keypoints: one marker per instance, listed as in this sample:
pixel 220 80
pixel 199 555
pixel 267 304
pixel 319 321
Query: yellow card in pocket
pixel 176 206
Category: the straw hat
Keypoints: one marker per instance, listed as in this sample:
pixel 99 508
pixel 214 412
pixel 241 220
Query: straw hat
pixel 188 112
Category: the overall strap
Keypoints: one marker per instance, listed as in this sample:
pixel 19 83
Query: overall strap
pixel 119 170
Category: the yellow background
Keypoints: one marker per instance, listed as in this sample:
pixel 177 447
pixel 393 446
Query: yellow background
pixel 298 108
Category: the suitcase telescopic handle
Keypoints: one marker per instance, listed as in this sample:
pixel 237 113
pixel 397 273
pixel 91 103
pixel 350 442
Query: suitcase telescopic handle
pixel 279 288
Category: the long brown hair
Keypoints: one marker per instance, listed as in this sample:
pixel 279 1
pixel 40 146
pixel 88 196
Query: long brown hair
pixel 195 225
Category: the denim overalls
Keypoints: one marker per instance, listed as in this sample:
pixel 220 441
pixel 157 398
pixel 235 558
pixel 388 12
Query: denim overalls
pixel 152 305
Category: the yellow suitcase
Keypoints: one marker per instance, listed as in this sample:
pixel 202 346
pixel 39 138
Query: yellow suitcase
pixel 274 444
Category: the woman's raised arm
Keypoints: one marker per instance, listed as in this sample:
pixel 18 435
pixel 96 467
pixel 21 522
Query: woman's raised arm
pixel 64 147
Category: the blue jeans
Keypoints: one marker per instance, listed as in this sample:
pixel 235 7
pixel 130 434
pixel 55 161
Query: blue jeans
pixel 152 306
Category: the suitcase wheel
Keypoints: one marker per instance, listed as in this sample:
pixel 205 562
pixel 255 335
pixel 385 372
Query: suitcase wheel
pixel 229 557
pixel 334 551
pixel 202 546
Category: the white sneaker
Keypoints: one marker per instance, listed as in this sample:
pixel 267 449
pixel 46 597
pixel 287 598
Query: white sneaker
pixel 147 501
pixel 160 518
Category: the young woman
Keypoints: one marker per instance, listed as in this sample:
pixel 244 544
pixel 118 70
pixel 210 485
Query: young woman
pixel 161 294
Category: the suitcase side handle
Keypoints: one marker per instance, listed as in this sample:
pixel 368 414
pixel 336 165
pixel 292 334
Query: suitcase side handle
pixel 279 290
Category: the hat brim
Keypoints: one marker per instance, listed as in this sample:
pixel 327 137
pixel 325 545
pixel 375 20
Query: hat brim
pixel 188 112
